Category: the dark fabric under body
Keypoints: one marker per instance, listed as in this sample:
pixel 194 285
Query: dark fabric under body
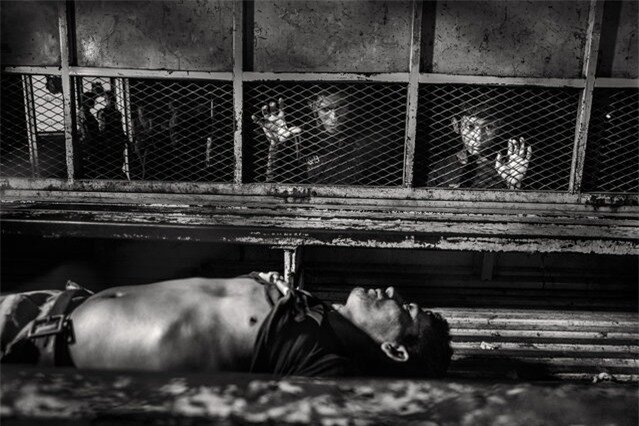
pixel 303 336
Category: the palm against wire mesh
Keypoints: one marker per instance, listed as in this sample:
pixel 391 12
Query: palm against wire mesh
pixel 518 138
pixel 32 142
pixel 339 134
pixel 612 153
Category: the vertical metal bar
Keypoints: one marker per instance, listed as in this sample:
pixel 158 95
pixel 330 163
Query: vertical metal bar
pixel 122 105
pixel 32 130
pixel 591 52
pixel 67 95
pixel 238 38
pixel 292 266
pixel 413 91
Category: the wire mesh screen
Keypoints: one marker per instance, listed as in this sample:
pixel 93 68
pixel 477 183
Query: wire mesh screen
pixel 32 142
pixel 165 130
pixel 330 133
pixel 612 153
pixel 484 137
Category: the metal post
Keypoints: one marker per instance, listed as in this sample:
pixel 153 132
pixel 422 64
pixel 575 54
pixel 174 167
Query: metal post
pixel 413 93
pixel 67 94
pixel 32 129
pixel 238 38
pixel 292 266
pixel 585 102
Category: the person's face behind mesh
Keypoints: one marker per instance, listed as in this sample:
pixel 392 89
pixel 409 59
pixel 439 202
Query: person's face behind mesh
pixel 331 112
pixel 476 133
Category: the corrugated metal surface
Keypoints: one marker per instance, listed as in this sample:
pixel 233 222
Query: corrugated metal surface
pixel 529 344
pixel 531 38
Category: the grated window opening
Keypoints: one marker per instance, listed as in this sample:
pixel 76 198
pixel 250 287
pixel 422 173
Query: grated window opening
pixel 156 130
pixel 32 142
pixel 326 133
pixel 612 152
pixel 483 137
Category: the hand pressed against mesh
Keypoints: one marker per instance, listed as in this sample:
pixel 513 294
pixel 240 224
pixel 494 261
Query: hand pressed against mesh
pixel 273 123
pixel 514 166
pixel 478 132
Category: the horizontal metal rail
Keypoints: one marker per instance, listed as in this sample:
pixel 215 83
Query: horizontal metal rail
pixel 399 77
pixel 617 83
pixel 503 81
pixel 290 191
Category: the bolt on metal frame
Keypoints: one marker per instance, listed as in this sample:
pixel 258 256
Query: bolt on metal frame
pixel 413 78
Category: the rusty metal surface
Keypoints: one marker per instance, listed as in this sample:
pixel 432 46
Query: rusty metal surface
pixel 524 39
pixel 347 36
pixel 619 54
pixel 307 224
pixel 30 33
pixel 184 35
pixel 97 397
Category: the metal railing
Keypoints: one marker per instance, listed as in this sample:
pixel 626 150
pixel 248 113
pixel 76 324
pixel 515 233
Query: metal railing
pixel 394 130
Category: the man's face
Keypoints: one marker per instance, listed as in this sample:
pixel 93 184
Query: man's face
pixel 476 133
pixel 330 110
pixel 384 315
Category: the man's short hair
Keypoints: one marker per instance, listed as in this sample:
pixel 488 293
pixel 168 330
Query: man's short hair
pixel 430 353
pixel 482 107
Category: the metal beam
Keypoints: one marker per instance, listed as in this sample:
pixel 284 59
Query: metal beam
pixel 155 74
pixel 400 77
pixel 501 81
pixel 591 52
pixel 238 89
pixel 286 192
pixel 413 94
pixel 617 83
pixel 69 123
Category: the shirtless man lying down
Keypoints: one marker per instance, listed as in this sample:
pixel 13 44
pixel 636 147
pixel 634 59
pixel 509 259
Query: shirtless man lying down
pixel 253 323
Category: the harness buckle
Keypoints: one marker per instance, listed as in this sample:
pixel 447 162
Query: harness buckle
pixel 47 326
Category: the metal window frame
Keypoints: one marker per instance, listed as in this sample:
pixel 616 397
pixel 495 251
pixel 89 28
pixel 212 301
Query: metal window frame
pixel 413 79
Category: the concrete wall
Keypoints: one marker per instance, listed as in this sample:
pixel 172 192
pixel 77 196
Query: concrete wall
pixel 619 52
pixel 489 37
pixel 351 36
pixel 516 38
pixel 179 35
pixel 29 33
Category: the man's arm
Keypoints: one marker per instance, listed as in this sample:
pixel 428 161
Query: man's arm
pixel 273 124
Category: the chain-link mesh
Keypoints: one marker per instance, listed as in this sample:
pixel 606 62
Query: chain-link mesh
pixel 612 153
pixel 32 142
pixel 330 133
pixel 463 130
pixel 166 130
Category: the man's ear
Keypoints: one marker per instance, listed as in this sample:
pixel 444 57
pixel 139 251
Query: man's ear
pixel 455 123
pixel 395 352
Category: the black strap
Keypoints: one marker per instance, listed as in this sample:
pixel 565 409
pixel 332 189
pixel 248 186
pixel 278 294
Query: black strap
pixel 52 334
